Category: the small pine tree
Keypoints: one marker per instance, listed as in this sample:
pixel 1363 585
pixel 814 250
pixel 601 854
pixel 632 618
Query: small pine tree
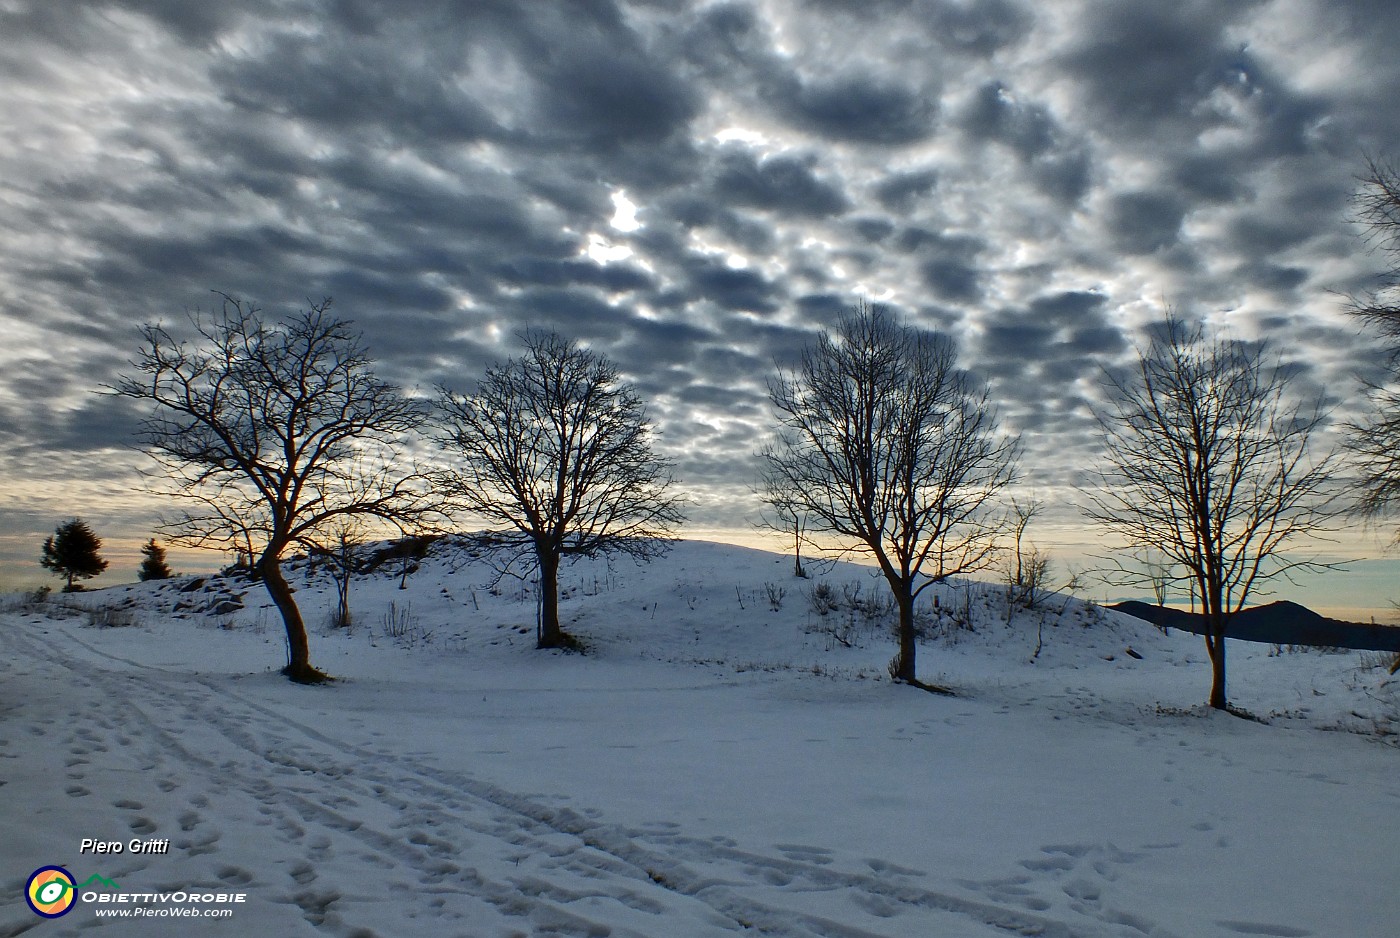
pixel 153 565
pixel 72 552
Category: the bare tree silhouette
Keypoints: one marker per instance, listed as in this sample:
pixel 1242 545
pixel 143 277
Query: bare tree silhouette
pixel 1375 439
pixel 887 444
pixel 554 450
pixel 1208 464
pixel 272 432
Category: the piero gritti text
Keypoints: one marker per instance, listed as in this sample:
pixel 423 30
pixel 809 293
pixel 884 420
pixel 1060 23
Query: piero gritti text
pixel 135 845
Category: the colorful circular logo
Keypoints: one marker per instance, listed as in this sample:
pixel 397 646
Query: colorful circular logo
pixel 50 891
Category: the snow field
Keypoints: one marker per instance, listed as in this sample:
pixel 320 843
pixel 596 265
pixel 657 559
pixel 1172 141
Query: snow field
pixel 711 767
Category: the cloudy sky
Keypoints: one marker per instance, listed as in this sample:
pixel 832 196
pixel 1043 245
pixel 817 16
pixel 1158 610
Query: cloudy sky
pixel 694 188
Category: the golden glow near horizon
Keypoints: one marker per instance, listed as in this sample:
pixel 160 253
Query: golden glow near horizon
pixel 1333 594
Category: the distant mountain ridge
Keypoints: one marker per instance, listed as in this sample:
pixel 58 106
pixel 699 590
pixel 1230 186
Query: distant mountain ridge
pixel 1281 623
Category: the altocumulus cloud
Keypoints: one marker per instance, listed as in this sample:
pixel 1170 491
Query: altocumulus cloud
pixel 1035 179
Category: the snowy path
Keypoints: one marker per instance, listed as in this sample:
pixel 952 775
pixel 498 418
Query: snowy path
pixel 255 800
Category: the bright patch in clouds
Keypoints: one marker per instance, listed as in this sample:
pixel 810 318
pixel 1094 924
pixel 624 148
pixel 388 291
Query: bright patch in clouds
pixel 624 213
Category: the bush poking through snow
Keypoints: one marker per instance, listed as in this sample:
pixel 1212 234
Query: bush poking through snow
pixel 822 598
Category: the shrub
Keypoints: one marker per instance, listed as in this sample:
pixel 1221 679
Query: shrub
pixel 822 598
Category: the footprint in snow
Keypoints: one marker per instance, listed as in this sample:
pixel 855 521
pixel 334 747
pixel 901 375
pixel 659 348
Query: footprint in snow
pixel 235 875
pixel 205 844
pixel 805 854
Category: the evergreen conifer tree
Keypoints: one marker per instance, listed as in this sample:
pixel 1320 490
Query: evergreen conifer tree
pixel 153 565
pixel 72 552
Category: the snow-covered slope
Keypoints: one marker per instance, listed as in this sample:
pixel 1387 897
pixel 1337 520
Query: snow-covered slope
pixel 725 759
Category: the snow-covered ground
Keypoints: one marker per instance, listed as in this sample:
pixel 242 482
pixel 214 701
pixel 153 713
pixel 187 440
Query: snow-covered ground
pixel 712 766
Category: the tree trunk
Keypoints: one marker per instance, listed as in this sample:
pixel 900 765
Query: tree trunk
pixel 551 636
pixel 907 647
pixel 298 667
pixel 1215 648
pixel 1216 620
pixel 342 595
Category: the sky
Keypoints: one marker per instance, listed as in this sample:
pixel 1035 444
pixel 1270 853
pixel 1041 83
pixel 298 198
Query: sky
pixel 694 189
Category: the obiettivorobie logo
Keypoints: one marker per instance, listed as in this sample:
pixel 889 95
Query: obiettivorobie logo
pixel 51 891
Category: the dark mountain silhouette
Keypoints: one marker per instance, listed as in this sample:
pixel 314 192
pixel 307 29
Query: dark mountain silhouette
pixel 1280 623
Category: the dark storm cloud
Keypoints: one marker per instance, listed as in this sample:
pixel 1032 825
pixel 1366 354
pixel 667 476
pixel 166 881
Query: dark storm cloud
pixel 1038 357
pixel 379 290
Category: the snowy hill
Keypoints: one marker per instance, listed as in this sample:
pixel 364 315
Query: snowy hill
pixel 728 757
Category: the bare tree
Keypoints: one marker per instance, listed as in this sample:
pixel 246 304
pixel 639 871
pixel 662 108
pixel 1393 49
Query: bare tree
pixel 555 449
pixel 1375 440
pixel 1209 464
pixel 1028 567
pixel 786 518
pixel 1139 568
pixel 884 442
pixel 340 548
pixel 1158 570
pixel 273 432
